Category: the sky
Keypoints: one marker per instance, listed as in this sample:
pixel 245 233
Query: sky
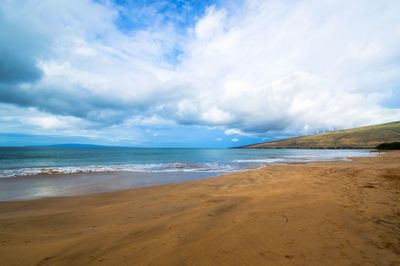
pixel 214 73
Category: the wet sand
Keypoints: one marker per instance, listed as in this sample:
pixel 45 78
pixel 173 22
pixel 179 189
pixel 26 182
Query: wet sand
pixel 77 184
pixel 338 213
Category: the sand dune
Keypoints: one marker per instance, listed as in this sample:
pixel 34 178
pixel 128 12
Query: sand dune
pixel 339 213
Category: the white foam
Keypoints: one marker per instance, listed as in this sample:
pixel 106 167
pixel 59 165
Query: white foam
pixel 223 167
pixel 158 167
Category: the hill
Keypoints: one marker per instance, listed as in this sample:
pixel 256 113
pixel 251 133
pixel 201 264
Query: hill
pixel 70 145
pixel 356 138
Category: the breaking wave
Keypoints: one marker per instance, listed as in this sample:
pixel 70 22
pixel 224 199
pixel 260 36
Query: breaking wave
pixel 159 167
pixel 233 165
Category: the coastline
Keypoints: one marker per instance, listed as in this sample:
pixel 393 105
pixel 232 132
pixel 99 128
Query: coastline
pixel 324 213
pixel 58 179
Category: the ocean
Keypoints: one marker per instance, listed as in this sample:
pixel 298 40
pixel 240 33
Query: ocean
pixel 36 172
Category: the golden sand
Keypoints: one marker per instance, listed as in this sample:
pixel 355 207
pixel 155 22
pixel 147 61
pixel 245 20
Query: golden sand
pixel 339 213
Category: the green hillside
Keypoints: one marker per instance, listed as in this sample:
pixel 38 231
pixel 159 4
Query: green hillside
pixel 356 138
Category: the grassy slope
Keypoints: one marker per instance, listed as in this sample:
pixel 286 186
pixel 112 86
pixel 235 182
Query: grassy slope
pixel 363 137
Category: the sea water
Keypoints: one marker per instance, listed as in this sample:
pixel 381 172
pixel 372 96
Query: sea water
pixel 35 172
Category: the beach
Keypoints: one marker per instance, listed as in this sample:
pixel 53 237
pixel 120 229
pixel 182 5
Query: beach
pixel 326 213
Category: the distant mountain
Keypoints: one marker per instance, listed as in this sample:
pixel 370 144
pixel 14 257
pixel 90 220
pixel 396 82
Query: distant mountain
pixel 356 138
pixel 72 145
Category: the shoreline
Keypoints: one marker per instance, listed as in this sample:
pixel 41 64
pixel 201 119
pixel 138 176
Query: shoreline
pixel 53 185
pixel 320 213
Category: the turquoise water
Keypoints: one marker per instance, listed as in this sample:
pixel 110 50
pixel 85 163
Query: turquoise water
pixel 27 173
pixel 37 160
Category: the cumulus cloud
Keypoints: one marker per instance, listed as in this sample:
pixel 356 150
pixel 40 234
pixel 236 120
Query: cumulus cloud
pixel 270 67
pixel 281 65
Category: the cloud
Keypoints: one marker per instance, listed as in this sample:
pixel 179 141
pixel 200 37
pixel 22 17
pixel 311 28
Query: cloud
pixel 18 48
pixel 232 131
pixel 280 65
pixel 234 139
pixel 264 68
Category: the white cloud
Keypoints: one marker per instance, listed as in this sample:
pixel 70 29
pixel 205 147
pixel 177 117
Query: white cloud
pixel 211 25
pixel 283 65
pixel 47 122
pixel 234 139
pixel 273 66
pixel 233 131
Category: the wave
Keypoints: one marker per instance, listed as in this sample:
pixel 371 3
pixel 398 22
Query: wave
pixel 303 158
pixel 219 167
pixel 156 167
pixel 291 160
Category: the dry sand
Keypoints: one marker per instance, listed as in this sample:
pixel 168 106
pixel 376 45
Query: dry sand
pixel 339 213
